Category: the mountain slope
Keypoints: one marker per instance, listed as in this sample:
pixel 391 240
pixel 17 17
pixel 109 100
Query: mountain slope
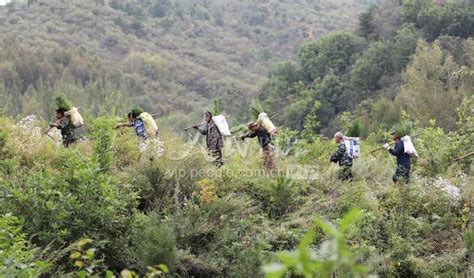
pixel 168 55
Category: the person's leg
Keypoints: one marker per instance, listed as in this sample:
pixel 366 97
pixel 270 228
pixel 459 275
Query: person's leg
pixel 402 174
pixel 68 142
pixel 406 174
pixel 396 176
pixel 345 173
pixel 348 173
pixel 217 155
pixel 268 157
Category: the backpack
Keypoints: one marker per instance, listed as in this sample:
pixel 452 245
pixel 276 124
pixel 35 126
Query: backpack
pixel 222 125
pixel 150 125
pixel 408 146
pixel 265 121
pixel 352 146
pixel 76 118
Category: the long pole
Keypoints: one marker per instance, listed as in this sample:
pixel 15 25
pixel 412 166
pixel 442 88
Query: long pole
pixel 46 132
pixel 381 148
pixel 463 156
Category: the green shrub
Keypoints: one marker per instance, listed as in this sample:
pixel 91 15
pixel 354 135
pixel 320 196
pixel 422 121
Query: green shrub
pixel 154 243
pixel 282 196
pixel 17 258
pixel 103 135
pixel 333 255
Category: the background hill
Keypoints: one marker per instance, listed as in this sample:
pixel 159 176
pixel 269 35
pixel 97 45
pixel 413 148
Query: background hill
pixel 167 56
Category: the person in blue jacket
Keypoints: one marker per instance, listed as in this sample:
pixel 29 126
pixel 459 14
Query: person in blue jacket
pixel 402 173
pixel 137 123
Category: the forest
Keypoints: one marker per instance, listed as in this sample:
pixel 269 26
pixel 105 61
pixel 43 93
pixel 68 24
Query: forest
pixel 110 206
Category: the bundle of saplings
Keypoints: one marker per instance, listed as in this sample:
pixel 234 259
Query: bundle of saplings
pixel 63 103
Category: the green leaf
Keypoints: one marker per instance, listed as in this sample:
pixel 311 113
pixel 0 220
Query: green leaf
pixel 75 255
pixel 351 217
pixel 359 268
pixel 79 264
pixel 90 253
pixel 328 228
pixel 164 268
pixel 84 241
pixel 82 274
pixel 307 239
pixel 288 258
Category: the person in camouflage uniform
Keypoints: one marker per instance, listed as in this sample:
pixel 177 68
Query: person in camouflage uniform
pixel 214 139
pixel 68 131
pixel 341 157
pixel 265 141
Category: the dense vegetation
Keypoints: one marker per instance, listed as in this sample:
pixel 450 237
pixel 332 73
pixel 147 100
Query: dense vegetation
pixel 414 57
pixel 139 210
pixel 105 208
pixel 167 56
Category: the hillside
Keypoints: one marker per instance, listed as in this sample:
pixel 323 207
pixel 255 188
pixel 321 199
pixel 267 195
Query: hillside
pixel 405 59
pixel 168 56
pixel 124 201
pixel 103 206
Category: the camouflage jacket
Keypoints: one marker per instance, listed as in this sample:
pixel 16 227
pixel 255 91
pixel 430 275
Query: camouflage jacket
pixel 68 131
pixel 213 136
pixel 341 157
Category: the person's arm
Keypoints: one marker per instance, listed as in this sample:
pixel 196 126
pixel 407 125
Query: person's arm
pixel 201 128
pixel 249 134
pixel 120 125
pixel 63 123
pixel 398 150
pixel 338 154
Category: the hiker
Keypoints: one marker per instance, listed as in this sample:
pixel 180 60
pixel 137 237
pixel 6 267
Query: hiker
pixel 341 157
pixel 137 123
pixel 402 172
pixel 143 122
pixel 214 139
pixel 265 140
pixel 66 126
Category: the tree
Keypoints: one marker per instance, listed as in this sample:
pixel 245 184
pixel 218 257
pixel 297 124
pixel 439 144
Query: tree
pixel 331 53
pixel 429 86
pixel 366 25
pixel 369 68
pixel 404 46
pixel 330 94
pixel 280 86
pixel 387 19
pixel 161 8
pixel 218 15
pixel 451 18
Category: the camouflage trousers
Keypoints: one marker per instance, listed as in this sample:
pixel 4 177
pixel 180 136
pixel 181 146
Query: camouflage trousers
pixel 345 173
pixel 268 157
pixel 69 141
pixel 217 156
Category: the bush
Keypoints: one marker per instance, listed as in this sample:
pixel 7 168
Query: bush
pixel 17 258
pixel 154 243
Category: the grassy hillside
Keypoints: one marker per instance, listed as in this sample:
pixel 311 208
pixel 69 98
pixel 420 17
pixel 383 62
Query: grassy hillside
pixel 168 56
pixel 105 206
